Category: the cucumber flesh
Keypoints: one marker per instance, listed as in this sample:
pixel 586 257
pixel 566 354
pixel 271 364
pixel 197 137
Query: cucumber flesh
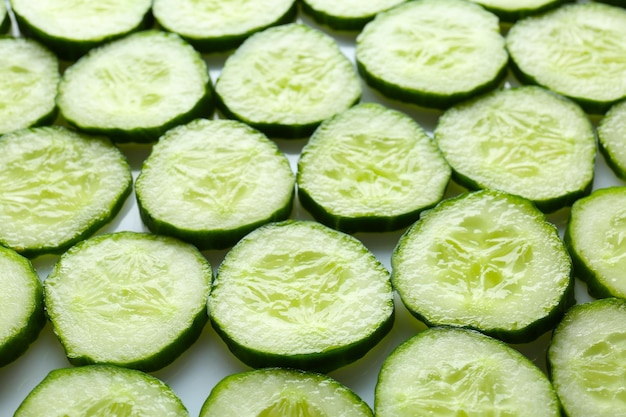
pixel 223 179
pixel 71 28
pixel 57 187
pixel 456 372
pixel 29 76
pixel 587 359
pixel 128 299
pixel 298 294
pixel 612 138
pixel 217 25
pixel 349 15
pixel 21 300
pixel 525 141
pixel 136 88
pixel 101 390
pixel 370 168
pixel 286 80
pixel 282 392
pixel 485 260
pixel 432 53
pixel 575 51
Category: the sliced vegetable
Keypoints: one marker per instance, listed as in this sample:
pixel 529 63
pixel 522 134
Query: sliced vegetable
pixel 350 15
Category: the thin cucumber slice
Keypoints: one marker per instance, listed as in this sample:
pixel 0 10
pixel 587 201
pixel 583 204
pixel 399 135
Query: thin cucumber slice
pixel 101 390
pixel 21 305
pixel 575 51
pixel 217 25
pixel 71 28
pixel 282 392
pixel 485 260
pixel 525 141
pixel 594 238
pixel 349 15
pixel 57 187
pixel 129 299
pixel 612 138
pixel 433 53
pixel 136 88
pixel 370 168
pixel 457 372
pixel 29 76
pixel 222 179
pixel 509 11
pixel 298 294
pixel 285 80
pixel 586 359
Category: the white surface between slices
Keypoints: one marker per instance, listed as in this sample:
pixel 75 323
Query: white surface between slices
pixel 193 374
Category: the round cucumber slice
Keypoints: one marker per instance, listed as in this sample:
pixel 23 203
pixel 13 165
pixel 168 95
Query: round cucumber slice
pixel 525 141
pixel 509 11
pixel 612 138
pixel 285 393
pixel 129 299
pixel 21 305
pixel 57 187
pixel 298 294
pixel 101 390
pixel 224 179
pixel 370 168
pixel 594 238
pixel 29 76
pixel 485 260
pixel 71 28
pixel 217 25
pixel 457 372
pixel 433 53
pixel 575 51
pixel 586 359
pixel 136 88
pixel 285 80
pixel 349 15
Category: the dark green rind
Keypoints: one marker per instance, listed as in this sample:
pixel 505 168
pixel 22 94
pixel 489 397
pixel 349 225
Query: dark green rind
pixel 71 49
pixel 620 3
pixel 324 362
pixel 228 42
pixel 202 109
pixel 339 23
pixel 511 16
pixel 425 98
pixel 357 224
pixel 209 239
pixel 19 343
pixel 274 130
pixel 5 23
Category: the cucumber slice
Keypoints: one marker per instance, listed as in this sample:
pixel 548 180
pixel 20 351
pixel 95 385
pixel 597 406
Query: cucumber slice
pixel 71 28
pixel 574 51
pixel 509 11
pixel 485 260
pixel 298 294
pixel 57 187
pixel 129 299
pixel 349 15
pixel 525 141
pixel 224 179
pixel 433 53
pixel 612 138
pixel 457 372
pixel 285 80
pixel 101 390
pixel 29 76
pixel 586 359
pixel 370 168
pixel 136 88
pixel 282 392
pixel 217 25
pixel 21 305
pixel 594 239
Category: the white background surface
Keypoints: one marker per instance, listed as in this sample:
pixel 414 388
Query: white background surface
pixel 195 372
